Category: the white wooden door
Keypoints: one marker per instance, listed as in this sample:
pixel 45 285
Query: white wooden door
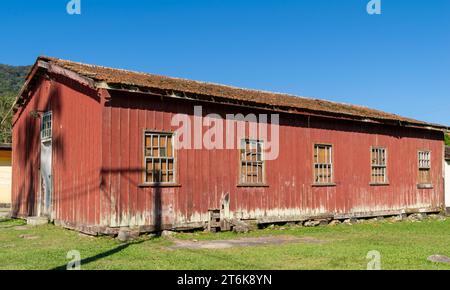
pixel 46 197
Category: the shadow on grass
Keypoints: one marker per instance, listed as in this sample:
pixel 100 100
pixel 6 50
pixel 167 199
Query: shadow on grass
pixel 108 253
pixel 121 247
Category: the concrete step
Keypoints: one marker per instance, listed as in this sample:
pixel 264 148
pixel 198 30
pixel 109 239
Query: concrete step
pixel 37 220
pixel 4 212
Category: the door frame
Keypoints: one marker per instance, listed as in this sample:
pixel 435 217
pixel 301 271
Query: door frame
pixel 447 185
pixel 45 201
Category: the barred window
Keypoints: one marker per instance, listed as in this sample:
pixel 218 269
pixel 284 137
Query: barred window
pixel 252 162
pixel 323 164
pixel 159 158
pixel 424 167
pixel 378 156
pixel 46 126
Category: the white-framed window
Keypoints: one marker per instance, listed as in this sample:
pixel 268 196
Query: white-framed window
pixel 46 126
pixel 378 165
pixel 252 162
pixel 159 158
pixel 424 159
pixel 323 164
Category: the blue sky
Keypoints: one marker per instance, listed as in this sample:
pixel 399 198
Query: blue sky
pixel 398 61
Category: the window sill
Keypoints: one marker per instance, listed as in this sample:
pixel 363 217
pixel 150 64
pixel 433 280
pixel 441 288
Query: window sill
pixel 159 185
pixel 379 184
pixel 424 186
pixel 252 185
pixel 323 184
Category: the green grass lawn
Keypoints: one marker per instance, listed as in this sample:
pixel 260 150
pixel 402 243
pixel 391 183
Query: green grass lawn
pixel 403 245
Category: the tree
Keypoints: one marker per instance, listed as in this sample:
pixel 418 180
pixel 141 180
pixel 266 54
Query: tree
pixel 11 79
pixel 447 139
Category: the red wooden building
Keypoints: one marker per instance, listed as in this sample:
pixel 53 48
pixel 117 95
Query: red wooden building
pixel 94 149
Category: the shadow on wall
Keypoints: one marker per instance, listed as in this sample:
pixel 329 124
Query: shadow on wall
pixel 27 156
pixel 26 139
pixel 157 205
pixel 91 185
pixel 133 176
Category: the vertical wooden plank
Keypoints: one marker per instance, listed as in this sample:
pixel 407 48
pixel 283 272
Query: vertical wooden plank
pixel 106 143
pixel 124 166
pixel 135 137
pixel 115 162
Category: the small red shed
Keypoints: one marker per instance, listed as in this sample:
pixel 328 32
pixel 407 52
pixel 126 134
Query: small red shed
pixel 97 148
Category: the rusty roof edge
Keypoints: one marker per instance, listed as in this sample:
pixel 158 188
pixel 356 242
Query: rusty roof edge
pixel 56 69
pixel 44 63
pixel 400 119
pixel 28 79
pixel 39 64
pixel 320 113
pixel 212 84
pixel 30 76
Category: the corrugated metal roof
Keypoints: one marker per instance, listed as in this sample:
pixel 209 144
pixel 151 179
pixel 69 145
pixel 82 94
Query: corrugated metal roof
pixel 113 77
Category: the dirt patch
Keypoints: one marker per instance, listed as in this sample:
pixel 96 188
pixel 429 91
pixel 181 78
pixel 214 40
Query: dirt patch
pixel 21 228
pixel 29 237
pixel 242 242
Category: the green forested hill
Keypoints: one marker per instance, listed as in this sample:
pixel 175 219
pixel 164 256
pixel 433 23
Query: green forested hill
pixel 11 79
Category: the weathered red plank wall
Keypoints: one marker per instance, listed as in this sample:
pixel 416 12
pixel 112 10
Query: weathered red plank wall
pixel 98 163
pixel 205 176
pixel 76 157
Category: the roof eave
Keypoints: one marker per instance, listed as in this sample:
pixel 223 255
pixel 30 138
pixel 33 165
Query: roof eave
pixel 44 63
pixel 289 110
